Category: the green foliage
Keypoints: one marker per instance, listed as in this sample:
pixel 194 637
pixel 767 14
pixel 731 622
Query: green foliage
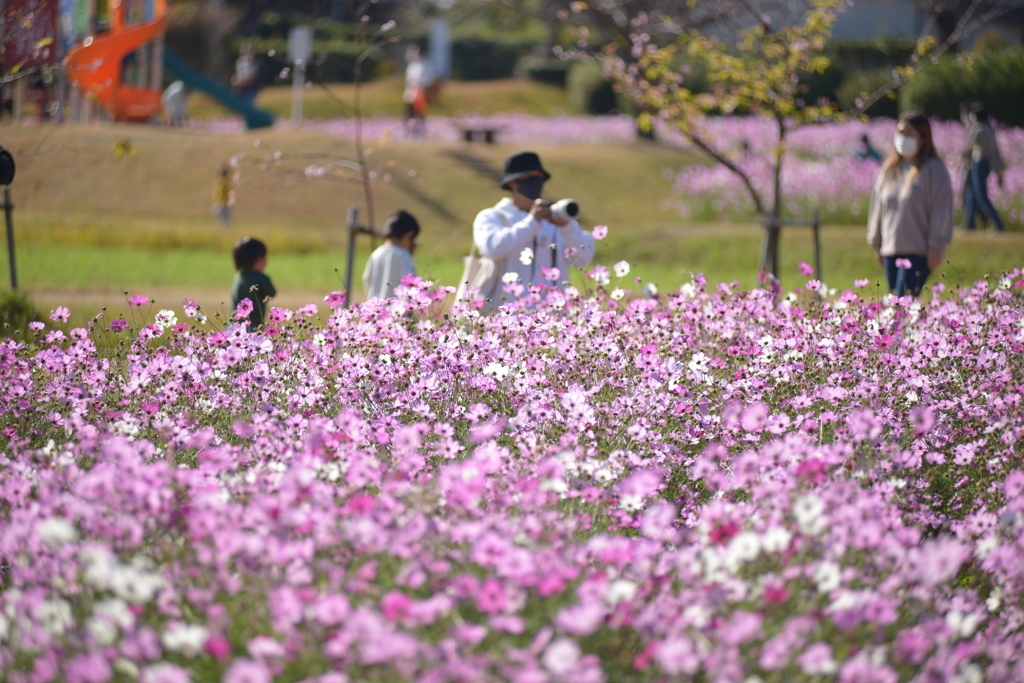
pixel 995 79
pixel 860 83
pixel 588 90
pixel 474 59
pixel 542 70
pixel 16 312
pixel 856 54
pixel 334 61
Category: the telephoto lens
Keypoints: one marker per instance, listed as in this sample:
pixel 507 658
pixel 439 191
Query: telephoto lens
pixel 565 209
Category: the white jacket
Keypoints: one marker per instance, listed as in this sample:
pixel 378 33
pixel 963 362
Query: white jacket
pixel 503 232
pixel 388 264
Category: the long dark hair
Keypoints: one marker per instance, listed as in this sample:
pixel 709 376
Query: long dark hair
pixel 925 151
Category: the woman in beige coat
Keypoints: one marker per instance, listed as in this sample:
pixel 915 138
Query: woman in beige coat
pixel 910 219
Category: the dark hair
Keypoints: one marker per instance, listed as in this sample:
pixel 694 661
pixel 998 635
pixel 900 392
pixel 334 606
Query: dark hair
pixel 247 252
pixel 979 111
pixel 399 224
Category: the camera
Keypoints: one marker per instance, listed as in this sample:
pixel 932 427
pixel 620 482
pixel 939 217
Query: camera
pixel 565 209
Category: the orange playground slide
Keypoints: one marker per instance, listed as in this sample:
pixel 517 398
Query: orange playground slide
pixel 95 65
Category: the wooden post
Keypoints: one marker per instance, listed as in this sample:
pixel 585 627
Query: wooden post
pixel 353 217
pixel 815 225
pixel 8 210
pixel 19 96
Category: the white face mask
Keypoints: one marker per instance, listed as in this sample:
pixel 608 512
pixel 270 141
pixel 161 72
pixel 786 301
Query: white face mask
pixel 906 146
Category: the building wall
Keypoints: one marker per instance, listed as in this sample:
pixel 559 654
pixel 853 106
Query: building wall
pixel 875 18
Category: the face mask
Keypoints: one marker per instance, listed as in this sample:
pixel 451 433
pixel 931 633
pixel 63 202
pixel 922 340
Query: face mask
pixel 906 146
pixel 530 187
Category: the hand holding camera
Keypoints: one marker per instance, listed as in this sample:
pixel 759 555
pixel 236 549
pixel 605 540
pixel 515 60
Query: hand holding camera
pixel 559 213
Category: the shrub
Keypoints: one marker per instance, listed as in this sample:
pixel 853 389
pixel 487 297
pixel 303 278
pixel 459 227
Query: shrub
pixel 474 59
pixel 334 61
pixel 996 79
pixel 860 82
pixel 541 70
pixel 589 91
pixel 16 312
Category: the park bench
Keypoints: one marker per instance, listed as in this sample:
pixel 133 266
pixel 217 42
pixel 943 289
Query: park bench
pixel 485 133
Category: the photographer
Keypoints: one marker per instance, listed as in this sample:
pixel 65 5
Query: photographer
pixel 520 235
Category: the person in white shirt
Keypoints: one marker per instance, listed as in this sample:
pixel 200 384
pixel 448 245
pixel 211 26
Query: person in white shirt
pixel 392 261
pixel 420 79
pixel 520 241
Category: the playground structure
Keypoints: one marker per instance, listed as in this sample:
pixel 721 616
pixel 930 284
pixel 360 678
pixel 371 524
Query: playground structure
pixel 122 69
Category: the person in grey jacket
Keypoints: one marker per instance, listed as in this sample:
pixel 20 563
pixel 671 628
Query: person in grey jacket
pixel 982 155
pixel 520 242
pixel 910 218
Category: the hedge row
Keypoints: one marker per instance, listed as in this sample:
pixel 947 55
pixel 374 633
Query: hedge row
pixel 996 79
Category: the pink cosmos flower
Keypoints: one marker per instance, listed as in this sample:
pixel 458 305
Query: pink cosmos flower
pixel 36 326
pixel 244 309
pixel 861 283
pixel 599 232
pixel 119 325
pixel 244 670
pixel 60 314
pixel 754 417
pixel 903 263
pixel 551 274
pixel 805 269
pixel 138 300
pixel 922 419
pixel 335 299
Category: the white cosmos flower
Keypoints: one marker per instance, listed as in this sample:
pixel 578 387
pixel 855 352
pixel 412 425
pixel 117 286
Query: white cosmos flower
pixel 54 616
pixel 828 577
pixel 808 511
pixel 56 531
pixel 186 639
pixel 618 293
pixel 166 319
pixel 496 370
pixel 621 269
pixel 620 590
pixel 650 289
pixel 526 256
pixel 509 277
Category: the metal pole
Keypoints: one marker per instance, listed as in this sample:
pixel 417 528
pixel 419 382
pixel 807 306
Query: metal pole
pixel 353 215
pixel 8 209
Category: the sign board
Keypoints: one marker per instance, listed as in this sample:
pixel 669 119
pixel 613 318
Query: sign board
pixel 29 34
pixel 300 44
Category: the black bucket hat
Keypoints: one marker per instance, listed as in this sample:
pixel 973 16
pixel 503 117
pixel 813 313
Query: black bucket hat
pixel 519 164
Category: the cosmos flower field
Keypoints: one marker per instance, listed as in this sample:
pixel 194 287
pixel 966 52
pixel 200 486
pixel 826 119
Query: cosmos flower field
pixel 710 485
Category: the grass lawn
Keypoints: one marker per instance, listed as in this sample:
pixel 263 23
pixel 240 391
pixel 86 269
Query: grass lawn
pixel 384 96
pixel 89 225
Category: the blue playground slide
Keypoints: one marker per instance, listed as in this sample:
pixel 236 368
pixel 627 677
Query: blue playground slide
pixel 254 118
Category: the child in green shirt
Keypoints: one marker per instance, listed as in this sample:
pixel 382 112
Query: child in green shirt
pixel 250 283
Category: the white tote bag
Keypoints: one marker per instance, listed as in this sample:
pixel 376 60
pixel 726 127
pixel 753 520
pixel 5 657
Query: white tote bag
pixel 476 271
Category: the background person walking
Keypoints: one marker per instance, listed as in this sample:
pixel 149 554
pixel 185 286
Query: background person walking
pixel 910 219
pixel 982 154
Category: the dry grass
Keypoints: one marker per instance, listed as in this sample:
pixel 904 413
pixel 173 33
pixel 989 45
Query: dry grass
pixel 384 96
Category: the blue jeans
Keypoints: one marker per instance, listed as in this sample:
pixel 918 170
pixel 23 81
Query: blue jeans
pixel 905 281
pixel 976 198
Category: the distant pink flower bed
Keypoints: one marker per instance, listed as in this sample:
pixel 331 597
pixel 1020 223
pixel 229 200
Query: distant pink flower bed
pixel 820 172
pixel 712 485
